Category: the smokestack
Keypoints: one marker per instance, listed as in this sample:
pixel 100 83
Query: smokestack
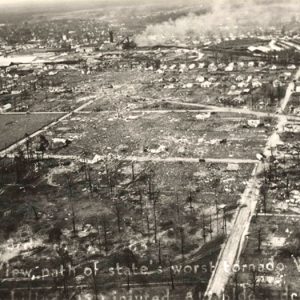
pixel 111 36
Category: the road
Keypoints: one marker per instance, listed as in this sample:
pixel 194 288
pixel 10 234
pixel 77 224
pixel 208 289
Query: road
pixel 99 158
pixel 231 250
pixel 278 215
pixel 201 109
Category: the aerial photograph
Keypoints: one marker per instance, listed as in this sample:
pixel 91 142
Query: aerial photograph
pixel 150 150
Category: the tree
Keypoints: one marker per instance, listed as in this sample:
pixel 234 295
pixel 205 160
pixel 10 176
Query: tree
pixel 171 274
pixel 118 212
pixel 190 200
pixel 141 205
pixel 259 239
pixel 216 184
pixel 28 144
pixel 54 234
pixel 203 228
pixel 20 164
pixel 236 285
pixel 155 200
pixel 153 197
pixel 269 92
pixel 65 259
pixel 210 227
pixel 264 192
pixel 103 221
pixel 94 281
pixel 147 221
pixel 127 258
pixel 254 282
pixel 132 172
pixel 110 165
pixel 287 187
pixel 224 222
pixel 159 253
pixel 71 202
pixel 181 231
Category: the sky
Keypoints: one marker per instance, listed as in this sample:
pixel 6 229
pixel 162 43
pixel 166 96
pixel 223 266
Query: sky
pixel 43 5
pixel 16 6
pixel 31 2
pixel 37 4
pixel 22 2
pixel 15 3
pixel 43 2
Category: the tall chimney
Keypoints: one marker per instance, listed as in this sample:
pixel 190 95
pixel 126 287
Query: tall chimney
pixel 111 36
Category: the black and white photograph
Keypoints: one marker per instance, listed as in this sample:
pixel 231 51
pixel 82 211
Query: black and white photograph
pixel 149 150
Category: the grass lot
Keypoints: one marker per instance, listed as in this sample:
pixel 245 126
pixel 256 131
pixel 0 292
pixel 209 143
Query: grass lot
pixel 14 127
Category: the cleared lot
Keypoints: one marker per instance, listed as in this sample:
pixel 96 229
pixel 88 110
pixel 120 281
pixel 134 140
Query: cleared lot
pixel 170 134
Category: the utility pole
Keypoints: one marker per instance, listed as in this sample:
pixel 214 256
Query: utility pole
pixel 259 239
pixel 210 227
pixel 155 199
pixel 171 274
pixel 181 229
pixel 159 252
pixel 142 207
pixel 224 222
pixel 203 228
pixel 132 172
pixel 72 206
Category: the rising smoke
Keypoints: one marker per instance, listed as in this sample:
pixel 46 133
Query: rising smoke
pixel 224 16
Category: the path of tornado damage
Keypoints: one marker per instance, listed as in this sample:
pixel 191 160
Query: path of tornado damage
pixel 232 247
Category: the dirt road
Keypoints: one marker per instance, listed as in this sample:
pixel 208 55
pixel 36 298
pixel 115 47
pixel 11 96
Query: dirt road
pixel 99 158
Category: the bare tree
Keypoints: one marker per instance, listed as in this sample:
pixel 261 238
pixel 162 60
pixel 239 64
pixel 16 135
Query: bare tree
pixel 264 192
pixel 155 200
pixel 236 285
pixel 259 238
pixel 103 221
pixel 94 281
pixel 224 222
pixel 159 253
pixel 171 274
pixel 118 210
pixel 216 185
pixel 181 231
pixel 132 172
pixel 71 202
pixel 147 221
pixel 287 187
pixel 190 200
pixel 254 282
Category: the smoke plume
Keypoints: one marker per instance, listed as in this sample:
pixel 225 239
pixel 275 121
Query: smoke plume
pixel 224 17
